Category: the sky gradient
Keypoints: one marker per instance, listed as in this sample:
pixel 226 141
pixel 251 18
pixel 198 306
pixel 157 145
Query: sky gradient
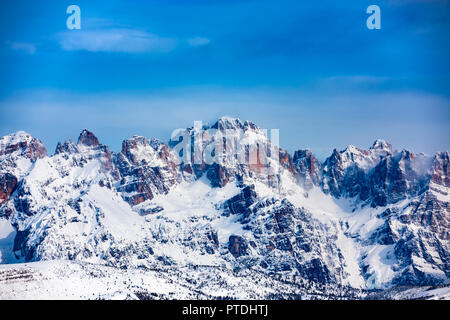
pixel 311 69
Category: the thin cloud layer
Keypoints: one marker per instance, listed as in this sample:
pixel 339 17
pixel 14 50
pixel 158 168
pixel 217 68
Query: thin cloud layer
pixel 22 46
pixel 115 40
pixel 198 41
pixel 416 121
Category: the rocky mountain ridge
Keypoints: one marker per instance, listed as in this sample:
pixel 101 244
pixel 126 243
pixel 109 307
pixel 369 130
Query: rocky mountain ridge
pixel 371 218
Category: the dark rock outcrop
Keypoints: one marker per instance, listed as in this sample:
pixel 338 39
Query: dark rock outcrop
pixel 396 177
pixel 8 184
pixel 67 147
pixel 87 138
pixel 241 203
pixel 13 149
pixel 441 169
pixel 308 168
pixel 146 169
pixel 238 246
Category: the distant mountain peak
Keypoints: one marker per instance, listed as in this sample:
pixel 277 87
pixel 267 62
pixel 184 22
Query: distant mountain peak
pixel 22 143
pixel 352 149
pixel 225 122
pixel 230 123
pixel 381 144
pixel 88 138
pixel 15 138
pixel 66 147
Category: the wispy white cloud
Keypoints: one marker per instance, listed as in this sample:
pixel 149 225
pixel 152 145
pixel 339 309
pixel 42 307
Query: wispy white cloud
pixel 198 41
pixel 352 82
pixel 29 48
pixel 355 79
pixel 115 40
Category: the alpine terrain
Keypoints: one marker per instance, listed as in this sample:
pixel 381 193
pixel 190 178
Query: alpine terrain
pixel 221 211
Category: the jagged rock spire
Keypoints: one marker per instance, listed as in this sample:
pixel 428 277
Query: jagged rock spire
pixel 87 138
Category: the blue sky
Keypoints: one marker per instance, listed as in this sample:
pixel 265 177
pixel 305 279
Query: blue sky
pixel 310 68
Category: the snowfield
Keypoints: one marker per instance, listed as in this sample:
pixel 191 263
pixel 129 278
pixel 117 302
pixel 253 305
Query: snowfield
pixel 59 280
pixel 77 280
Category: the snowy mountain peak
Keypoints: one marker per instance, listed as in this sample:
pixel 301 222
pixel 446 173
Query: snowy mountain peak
pixel 441 169
pixel 87 138
pixel 406 155
pixel 18 152
pixel 308 167
pixel 146 169
pixel 138 150
pixel 14 138
pixel 227 123
pixel 351 148
pixel 381 145
pixel 134 142
pixel 21 144
pixel 67 147
pixel 302 153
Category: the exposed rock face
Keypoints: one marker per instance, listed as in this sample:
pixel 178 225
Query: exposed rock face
pixel 241 203
pixel 67 147
pixel 22 144
pixel 382 147
pixel 441 169
pixel 8 184
pixel 286 160
pixel 377 176
pixel 68 156
pixel 308 168
pixel 90 148
pixel 87 138
pixel 217 174
pixel 417 237
pixel 61 186
pixel 231 150
pixel 237 246
pixel 146 169
pixel 17 154
pixel 288 239
pixel 345 173
pixel 430 213
pixel 396 177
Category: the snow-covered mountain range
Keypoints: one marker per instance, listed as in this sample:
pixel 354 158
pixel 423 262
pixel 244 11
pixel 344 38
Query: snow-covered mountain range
pixel 226 198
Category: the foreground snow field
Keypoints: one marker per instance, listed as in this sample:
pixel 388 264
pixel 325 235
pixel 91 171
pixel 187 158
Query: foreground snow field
pixel 77 280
